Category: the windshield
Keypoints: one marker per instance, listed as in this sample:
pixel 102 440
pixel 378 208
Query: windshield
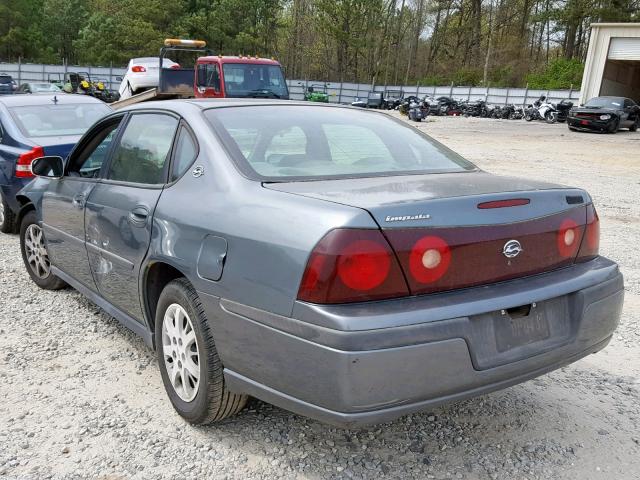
pixel 273 142
pixel 5 79
pixel 58 120
pixel 44 87
pixel 604 102
pixel 254 80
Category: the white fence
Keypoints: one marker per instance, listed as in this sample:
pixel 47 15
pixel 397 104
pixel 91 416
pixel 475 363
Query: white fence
pixel 338 92
pixel 347 92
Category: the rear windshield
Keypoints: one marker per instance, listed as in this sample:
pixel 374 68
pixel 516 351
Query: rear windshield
pixel 57 120
pixel 280 143
pixel 5 79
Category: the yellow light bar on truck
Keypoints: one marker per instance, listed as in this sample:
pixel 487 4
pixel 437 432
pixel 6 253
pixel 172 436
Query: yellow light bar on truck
pixel 177 42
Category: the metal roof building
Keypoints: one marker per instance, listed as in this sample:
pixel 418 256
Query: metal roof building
pixel 613 61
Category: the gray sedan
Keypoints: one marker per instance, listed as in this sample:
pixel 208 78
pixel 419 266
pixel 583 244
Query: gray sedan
pixel 333 261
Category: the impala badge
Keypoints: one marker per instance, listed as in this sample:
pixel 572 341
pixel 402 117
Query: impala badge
pixel 512 249
pixel 198 171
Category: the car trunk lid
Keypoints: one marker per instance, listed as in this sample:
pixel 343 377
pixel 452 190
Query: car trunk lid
pixel 452 231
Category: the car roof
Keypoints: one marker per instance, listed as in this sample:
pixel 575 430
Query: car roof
pixel 19 100
pixel 207 103
pixel 232 59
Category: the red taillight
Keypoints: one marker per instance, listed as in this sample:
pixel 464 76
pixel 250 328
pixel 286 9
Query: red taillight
pixel 138 69
pixel 23 165
pixel 429 259
pixel 350 265
pixel 591 241
pixel 568 238
pixel 175 66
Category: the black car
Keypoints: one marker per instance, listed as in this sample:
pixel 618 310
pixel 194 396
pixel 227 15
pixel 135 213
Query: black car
pixel 605 114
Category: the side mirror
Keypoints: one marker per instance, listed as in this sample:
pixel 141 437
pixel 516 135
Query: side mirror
pixel 49 167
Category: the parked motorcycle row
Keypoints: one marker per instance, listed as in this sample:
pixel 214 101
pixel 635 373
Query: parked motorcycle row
pixel 417 108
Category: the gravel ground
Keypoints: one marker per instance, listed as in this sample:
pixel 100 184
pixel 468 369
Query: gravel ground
pixel 83 398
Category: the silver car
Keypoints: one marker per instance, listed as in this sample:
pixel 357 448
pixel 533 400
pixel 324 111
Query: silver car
pixel 332 261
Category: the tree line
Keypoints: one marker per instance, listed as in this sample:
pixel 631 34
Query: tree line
pixel 385 42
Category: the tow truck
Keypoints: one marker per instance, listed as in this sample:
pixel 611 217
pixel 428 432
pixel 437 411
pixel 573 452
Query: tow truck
pixel 214 76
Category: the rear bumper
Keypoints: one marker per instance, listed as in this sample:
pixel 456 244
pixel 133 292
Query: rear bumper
pixel 10 191
pixel 356 375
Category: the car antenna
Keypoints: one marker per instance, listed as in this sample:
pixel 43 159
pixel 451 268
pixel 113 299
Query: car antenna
pixel 55 99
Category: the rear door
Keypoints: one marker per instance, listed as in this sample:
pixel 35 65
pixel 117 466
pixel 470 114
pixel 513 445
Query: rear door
pixel 63 203
pixel 120 207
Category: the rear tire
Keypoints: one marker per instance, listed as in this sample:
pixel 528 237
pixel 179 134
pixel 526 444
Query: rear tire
pixel 35 255
pixel 634 126
pixel 196 388
pixel 7 217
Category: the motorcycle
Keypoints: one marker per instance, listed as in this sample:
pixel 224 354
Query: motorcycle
pixel 541 110
pixel 416 111
pixel 563 108
pixel 448 106
pixel 479 108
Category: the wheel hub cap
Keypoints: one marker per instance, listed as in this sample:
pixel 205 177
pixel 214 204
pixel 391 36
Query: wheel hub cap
pixel 180 351
pixel 37 256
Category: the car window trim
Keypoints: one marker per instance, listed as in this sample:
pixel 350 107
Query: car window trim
pixel 86 139
pixel 172 161
pixel 116 141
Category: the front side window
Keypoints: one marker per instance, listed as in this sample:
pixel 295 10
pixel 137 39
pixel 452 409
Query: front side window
pixel 209 76
pixel 283 142
pixel 58 120
pixel 88 162
pixel 141 155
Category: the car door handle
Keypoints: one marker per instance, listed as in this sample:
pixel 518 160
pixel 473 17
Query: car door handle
pixel 138 216
pixel 78 201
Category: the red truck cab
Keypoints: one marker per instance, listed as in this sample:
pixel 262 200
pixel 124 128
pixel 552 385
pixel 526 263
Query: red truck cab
pixel 239 77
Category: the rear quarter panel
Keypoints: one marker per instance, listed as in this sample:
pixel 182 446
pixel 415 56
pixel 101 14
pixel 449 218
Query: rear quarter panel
pixel 269 234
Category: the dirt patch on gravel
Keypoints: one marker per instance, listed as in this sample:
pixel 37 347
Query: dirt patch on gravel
pixel 82 397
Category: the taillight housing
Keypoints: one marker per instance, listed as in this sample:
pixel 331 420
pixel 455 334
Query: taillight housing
pixel 589 249
pixel 23 164
pixel 352 265
pixel 138 69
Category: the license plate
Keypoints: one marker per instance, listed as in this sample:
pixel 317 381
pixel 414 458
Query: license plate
pixel 584 122
pixel 514 332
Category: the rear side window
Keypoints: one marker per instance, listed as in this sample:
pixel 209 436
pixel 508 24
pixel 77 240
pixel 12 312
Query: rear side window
pixel 141 155
pixel 185 153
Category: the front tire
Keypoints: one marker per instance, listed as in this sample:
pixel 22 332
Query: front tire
pixel 190 367
pixel 634 126
pixel 7 217
pixel 614 126
pixel 35 255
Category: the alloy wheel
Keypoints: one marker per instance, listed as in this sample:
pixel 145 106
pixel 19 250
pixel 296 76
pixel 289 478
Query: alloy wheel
pixel 37 256
pixel 180 351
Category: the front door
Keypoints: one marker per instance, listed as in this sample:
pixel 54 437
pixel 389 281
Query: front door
pixel 63 204
pixel 120 208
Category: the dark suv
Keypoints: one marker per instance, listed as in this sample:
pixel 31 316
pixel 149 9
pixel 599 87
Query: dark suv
pixel 7 84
